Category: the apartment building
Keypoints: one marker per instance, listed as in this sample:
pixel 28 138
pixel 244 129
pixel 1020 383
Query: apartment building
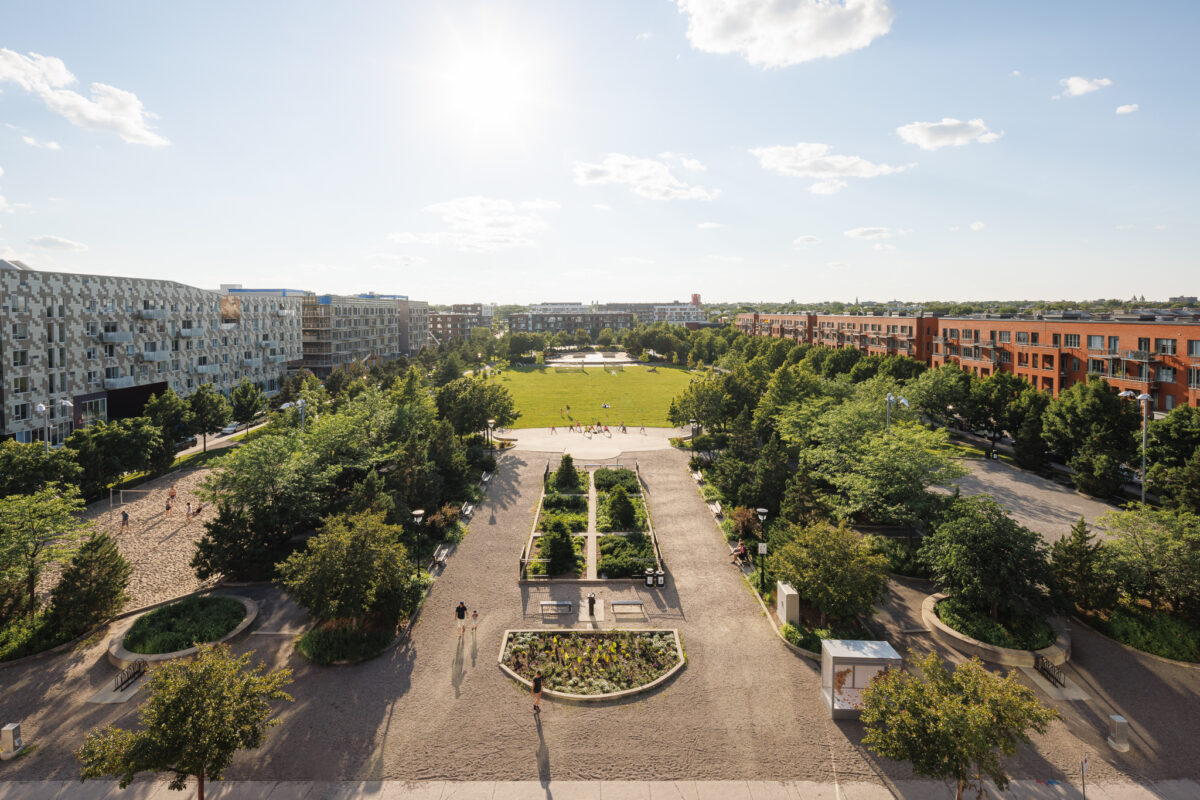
pixel 412 320
pixel 1158 354
pixel 649 313
pixel 485 311
pixel 569 322
pixel 95 347
pixel 445 326
pixel 339 330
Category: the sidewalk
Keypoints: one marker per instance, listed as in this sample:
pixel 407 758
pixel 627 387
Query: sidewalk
pixel 579 790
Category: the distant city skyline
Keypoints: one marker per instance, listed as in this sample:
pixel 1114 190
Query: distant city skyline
pixel 518 152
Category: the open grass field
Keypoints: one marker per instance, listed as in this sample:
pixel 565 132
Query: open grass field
pixel 635 396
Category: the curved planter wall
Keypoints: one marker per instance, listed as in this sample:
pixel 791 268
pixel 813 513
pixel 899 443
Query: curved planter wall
pixel 1057 653
pixel 120 658
pixel 595 698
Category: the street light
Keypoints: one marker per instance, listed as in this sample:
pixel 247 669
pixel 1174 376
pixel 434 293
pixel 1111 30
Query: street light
pixel 300 404
pixel 693 421
pixel 1144 399
pixel 491 424
pixel 762 551
pixel 891 401
pixel 45 425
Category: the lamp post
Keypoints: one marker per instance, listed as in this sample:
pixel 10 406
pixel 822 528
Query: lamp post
pixel 693 422
pixel 418 515
pixel 66 404
pixel 762 551
pixel 891 401
pixel 1144 399
pixel 300 404
pixel 45 425
pixel 491 425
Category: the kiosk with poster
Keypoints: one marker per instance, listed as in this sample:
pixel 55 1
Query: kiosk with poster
pixel 847 666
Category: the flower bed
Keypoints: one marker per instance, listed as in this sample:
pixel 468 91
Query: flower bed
pixel 624 557
pixel 181 625
pixel 539 567
pixel 586 663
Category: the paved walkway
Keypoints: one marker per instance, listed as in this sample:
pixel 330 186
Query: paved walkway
pixel 589 446
pixel 583 790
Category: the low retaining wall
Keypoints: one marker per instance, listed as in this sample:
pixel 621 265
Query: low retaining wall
pixel 120 658
pixel 1057 653
pixel 595 698
pixel 1155 656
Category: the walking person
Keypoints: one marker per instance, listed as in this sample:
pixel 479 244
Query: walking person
pixel 460 611
pixel 537 691
pixel 124 520
pixel 171 492
pixel 189 510
pixel 475 620
pixel 167 513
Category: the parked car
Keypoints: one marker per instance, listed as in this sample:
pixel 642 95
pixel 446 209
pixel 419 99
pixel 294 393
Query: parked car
pixel 184 444
pixel 230 428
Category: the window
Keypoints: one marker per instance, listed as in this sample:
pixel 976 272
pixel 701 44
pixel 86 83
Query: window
pixel 111 327
pixel 1005 357
pixel 1033 338
pixel 1047 362
pixel 110 351
pixel 93 377
pixel 1035 360
pixel 20 358
pixel 1071 340
pixel 1005 336
pixel 1095 343
pixel 1022 337
pixel 1144 344
pixel 93 410
pixel 21 411
pixel 1165 347
pixel 1166 374
pixel 1074 365
pixel 93 329
pixel 20 385
pixel 20 330
pixel 1194 348
pixel 1098 366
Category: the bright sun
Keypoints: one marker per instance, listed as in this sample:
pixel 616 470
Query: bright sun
pixel 488 89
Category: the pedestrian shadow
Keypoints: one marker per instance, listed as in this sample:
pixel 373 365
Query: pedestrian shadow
pixel 457 669
pixel 474 646
pixel 542 755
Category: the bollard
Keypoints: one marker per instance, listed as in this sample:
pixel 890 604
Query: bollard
pixel 1118 733
pixel 10 741
pixel 591 604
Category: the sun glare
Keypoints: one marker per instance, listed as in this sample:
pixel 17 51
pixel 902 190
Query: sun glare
pixel 489 90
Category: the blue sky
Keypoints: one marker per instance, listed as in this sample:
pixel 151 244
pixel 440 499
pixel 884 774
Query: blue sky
pixel 526 151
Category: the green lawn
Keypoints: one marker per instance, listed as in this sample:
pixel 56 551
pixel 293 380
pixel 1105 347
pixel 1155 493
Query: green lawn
pixel 635 396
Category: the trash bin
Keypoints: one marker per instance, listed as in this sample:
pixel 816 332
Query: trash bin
pixel 662 578
pixel 649 576
pixel 591 604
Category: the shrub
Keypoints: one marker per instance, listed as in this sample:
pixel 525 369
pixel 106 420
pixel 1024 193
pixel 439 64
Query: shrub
pixel 22 636
pixel 620 509
pixel 566 477
pixel 605 523
pixel 557 547
pixel 744 523
pixel 607 479
pixel 625 556
pixel 699 463
pixel 1158 633
pixel 810 638
pixel 327 644
pixel 488 462
pixel 902 557
pixel 576 521
pixel 1019 632
pixel 181 625
pixel 564 502
pixel 92 587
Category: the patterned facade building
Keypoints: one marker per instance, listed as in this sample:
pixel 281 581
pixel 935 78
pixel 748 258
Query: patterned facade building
pixel 1156 354
pixel 649 313
pixel 104 344
pixel 340 330
pixel 570 321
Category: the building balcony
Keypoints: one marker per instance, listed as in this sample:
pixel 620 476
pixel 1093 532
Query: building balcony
pixel 206 369
pixel 118 383
pixel 228 326
pixel 153 313
pixel 1138 355
pixel 156 355
pixel 1104 352
pixel 191 333
pixel 268 343
pixel 276 359
pixel 252 362
pixel 980 359
pixel 285 312
pixel 111 337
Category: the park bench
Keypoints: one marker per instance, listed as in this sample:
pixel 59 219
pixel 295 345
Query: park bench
pixel 628 605
pixel 485 477
pixel 468 509
pixel 130 674
pixel 439 555
pixel 556 606
pixel 743 561
pixel 716 508
pixel 698 476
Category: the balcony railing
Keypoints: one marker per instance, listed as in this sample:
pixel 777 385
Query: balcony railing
pixel 191 333
pixel 156 355
pixel 207 369
pixel 252 362
pixel 118 383
pixel 154 313
pixel 111 337
pixel 1107 352
pixel 228 326
pixel 268 343
pixel 276 359
pixel 1138 355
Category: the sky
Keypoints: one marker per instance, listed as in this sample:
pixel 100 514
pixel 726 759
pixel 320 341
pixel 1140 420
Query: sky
pixel 517 152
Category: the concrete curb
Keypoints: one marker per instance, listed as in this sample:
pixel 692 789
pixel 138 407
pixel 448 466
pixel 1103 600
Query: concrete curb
pixel 120 658
pixel 1163 659
pixel 596 698
pixel 1057 653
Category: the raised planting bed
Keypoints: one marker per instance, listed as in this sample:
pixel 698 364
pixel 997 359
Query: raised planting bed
pixel 605 525
pixel 1023 633
pixel 592 665
pixel 809 638
pixel 624 556
pixel 539 567
pixel 332 643
pixel 606 479
pixel 1056 653
pixel 1156 633
pixel 172 631
pixel 576 521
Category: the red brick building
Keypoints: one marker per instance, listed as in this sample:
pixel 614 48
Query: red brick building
pixel 1143 353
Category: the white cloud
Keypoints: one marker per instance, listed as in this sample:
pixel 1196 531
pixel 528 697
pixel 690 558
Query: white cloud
pixel 32 142
pixel 1076 86
pixel 109 109
pixel 1160 227
pixel 813 160
pixel 4 206
pixel 57 243
pixel 802 242
pixel 685 161
pixel 708 226
pixel 645 36
pixel 1129 109
pixel 947 133
pixel 881 246
pixel 601 207
pixel 1016 73
pixel 538 205
pixel 976 226
pixel 481 224
pixel 635 260
pixel 1124 227
pixel 726 259
pixel 955 228
pixel 644 176
pixel 835 264
pixel 869 233
pixel 773 33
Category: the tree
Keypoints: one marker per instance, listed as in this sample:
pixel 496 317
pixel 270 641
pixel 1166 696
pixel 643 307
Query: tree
pixel 353 570
pixel 1091 413
pixel 336 382
pixel 566 477
pixel 703 400
pixel 92 586
pixel 985 559
pixel 25 468
pixel 247 401
pixel 107 450
pixel 1156 554
pixel 620 509
pixel 468 403
pixel 1028 445
pixel 198 714
pixel 35 530
pixel 951 724
pixel 940 394
pixel 605 337
pixel 210 411
pixel 990 403
pixel 450 369
pixel 1173 455
pixel 557 547
pixel 1094 471
pixel 1077 569
pixel 173 416
pixel 833 569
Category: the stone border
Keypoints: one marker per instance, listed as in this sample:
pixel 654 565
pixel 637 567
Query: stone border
pixel 1057 654
pixel 1172 661
pixel 596 698
pixel 120 658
